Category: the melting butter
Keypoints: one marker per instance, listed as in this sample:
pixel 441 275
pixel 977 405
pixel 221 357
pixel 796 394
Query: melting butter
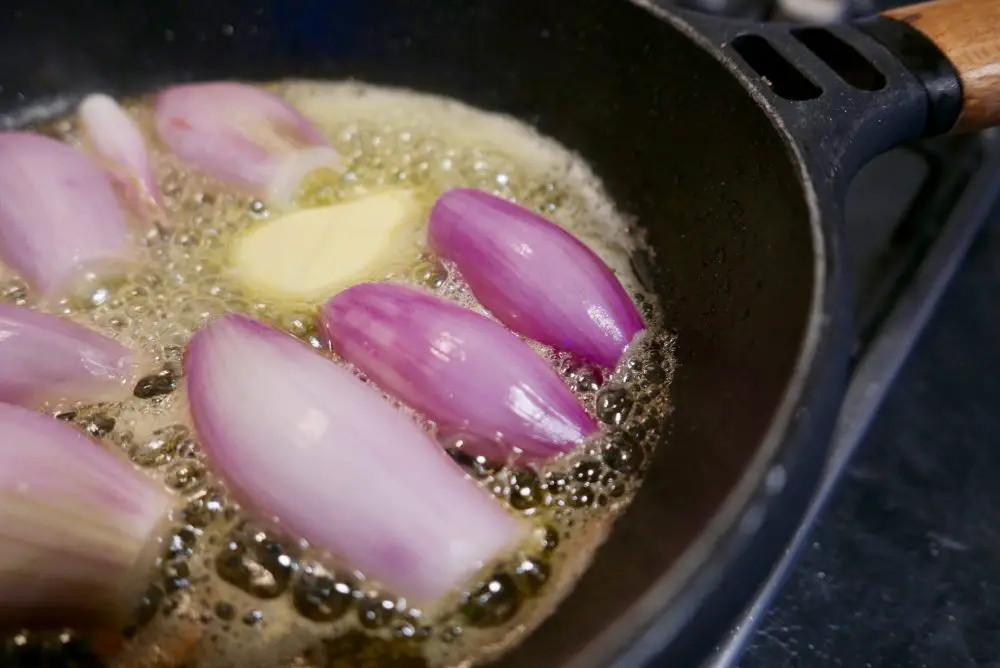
pixel 314 253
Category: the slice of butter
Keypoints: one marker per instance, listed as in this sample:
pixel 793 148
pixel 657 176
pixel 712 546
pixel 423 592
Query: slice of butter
pixel 314 253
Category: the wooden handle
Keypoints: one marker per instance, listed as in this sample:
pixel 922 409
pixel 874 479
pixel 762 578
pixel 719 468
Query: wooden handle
pixel 968 33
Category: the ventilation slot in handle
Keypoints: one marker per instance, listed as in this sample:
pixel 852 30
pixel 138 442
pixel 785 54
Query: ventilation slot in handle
pixel 783 78
pixel 842 58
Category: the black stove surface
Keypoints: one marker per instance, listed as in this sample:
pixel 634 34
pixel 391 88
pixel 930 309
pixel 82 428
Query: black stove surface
pixel 903 568
pixel 898 562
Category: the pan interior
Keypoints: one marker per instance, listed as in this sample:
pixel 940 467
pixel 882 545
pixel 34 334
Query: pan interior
pixel 679 143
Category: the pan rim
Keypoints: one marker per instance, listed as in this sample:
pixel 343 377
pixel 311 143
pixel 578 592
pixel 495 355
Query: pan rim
pixel 663 610
pixel 692 573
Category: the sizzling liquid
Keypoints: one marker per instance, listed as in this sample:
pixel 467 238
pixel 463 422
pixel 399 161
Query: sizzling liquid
pixel 229 592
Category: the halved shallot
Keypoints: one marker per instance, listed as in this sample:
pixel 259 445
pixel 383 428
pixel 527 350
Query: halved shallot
pixel 58 212
pixel 457 367
pixel 242 135
pixel 308 444
pixel 80 527
pixel 119 147
pixel 534 276
pixel 44 357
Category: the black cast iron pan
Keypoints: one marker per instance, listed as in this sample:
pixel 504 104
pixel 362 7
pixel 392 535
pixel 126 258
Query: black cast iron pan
pixel 732 144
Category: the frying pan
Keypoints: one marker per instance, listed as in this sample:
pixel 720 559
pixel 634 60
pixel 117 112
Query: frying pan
pixel 731 144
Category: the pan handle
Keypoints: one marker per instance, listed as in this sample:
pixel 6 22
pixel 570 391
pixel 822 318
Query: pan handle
pixel 953 46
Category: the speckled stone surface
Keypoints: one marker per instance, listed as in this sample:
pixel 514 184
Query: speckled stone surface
pixel 903 569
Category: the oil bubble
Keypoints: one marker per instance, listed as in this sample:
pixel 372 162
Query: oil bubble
pixel 155 385
pixel 613 405
pixel 185 475
pixel 525 490
pixel 624 453
pixel 261 568
pixel 321 597
pixel 530 575
pixel 375 612
pixel 492 603
pixel 225 611
pixel 99 424
pixel 204 509
pixel 161 447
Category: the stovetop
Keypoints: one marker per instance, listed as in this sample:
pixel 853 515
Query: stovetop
pixel 898 562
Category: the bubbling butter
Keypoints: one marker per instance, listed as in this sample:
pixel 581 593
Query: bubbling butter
pixel 230 590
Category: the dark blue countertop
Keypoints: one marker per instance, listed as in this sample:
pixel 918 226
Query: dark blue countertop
pixel 903 568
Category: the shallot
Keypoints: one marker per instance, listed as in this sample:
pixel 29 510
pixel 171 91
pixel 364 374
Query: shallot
pixel 120 148
pixel 457 367
pixel 534 276
pixel 80 527
pixel 242 135
pixel 44 357
pixel 305 442
pixel 58 213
